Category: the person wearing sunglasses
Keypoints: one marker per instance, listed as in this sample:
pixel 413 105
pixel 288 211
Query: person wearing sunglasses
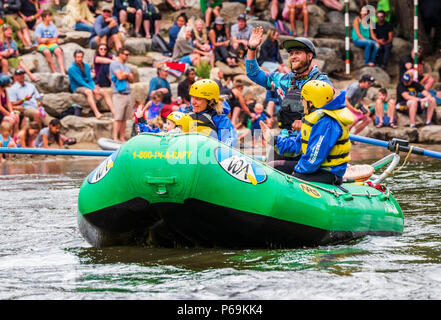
pixel 105 30
pixel 121 77
pixel 384 34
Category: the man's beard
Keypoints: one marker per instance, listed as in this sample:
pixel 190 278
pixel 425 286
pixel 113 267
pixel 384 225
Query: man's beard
pixel 301 66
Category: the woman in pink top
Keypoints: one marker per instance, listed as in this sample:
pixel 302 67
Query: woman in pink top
pixel 296 9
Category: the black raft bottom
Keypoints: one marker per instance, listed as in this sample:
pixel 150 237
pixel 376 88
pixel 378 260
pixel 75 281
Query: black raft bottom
pixel 200 224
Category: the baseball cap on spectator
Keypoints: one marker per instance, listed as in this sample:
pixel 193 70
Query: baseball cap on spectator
pixel 107 7
pixel 163 67
pixel 406 77
pixel 368 78
pixel 219 20
pixel 242 16
pixel 19 71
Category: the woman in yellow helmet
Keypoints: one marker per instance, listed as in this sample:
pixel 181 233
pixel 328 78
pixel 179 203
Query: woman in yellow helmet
pixel 324 140
pixel 209 112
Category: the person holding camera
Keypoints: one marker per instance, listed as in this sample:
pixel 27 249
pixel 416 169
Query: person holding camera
pixel 355 94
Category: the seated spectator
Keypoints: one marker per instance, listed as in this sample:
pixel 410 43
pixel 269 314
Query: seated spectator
pixel 173 5
pixel 160 82
pixel 273 104
pixel 181 21
pixel 407 65
pixel 7 139
pixel 129 11
pixel 7 112
pixel 355 94
pixel 225 85
pixel 210 10
pixel 9 55
pixel 47 37
pixel 384 33
pixel 184 85
pixel 80 80
pixel 151 18
pixel 11 9
pixel 50 136
pixel 185 52
pixel 26 137
pixel 333 4
pixel 220 40
pixel 201 41
pixel 362 36
pixel 239 108
pixel 30 13
pixel 25 98
pixel 78 16
pixel 296 10
pixel 269 54
pixel 91 4
pixel 101 64
pixel 240 34
pixel 105 30
pixel 408 92
pixel 382 106
pixel 153 108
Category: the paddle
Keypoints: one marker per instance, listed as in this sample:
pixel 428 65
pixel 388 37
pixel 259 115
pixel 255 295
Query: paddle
pixel 54 152
pixel 402 145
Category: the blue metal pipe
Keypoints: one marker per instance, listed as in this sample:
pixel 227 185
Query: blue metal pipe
pixel 55 152
pixel 385 144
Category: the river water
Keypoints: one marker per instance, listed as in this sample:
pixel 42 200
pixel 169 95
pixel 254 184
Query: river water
pixel 43 256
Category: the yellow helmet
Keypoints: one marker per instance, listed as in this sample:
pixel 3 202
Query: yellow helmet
pixel 206 88
pixel 317 92
pixel 181 119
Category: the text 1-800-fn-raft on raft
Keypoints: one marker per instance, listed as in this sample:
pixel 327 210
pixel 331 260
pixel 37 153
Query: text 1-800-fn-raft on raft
pixel 193 190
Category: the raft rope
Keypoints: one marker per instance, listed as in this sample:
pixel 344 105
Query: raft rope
pixel 335 192
pixel 404 162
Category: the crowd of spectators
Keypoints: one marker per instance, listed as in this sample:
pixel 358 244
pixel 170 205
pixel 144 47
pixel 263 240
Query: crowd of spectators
pixel 193 41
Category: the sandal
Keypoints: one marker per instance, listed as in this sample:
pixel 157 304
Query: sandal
pixel 380 125
pixel 70 141
pixel 393 125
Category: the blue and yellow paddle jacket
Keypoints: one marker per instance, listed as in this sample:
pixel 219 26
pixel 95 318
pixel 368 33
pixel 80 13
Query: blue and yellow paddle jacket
pixel 324 140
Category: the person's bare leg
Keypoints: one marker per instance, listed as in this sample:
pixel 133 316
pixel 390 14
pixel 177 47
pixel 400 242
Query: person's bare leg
pixel 50 60
pixel 60 59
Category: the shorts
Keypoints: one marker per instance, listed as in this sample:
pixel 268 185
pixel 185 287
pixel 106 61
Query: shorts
pixel 51 47
pixel 29 112
pixel 386 120
pixel 123 106
pixel 186 59
pixel 16 22
pixel 358 116
pixel 81 90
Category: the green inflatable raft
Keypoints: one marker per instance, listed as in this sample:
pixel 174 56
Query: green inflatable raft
pixel 192 190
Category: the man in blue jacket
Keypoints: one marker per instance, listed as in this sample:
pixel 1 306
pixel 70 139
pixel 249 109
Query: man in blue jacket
pixel 80 80
pixel 105 30
pixel 323 144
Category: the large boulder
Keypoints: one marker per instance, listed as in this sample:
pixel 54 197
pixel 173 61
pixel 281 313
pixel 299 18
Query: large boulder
pixel 138 46
pixel 40 64
pixel 430 134
pixel 379 74
pixel 86 129
pixel 52 83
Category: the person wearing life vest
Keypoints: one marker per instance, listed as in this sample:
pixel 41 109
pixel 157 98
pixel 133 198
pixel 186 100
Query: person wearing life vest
pixel 287 85
pixel 209 112
pixel 323 143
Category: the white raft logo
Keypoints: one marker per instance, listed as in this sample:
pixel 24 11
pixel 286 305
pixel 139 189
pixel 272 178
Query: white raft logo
pixel 239 167
pixel 103 168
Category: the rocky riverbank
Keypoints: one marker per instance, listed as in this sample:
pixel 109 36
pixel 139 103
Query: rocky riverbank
pixel 326 31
